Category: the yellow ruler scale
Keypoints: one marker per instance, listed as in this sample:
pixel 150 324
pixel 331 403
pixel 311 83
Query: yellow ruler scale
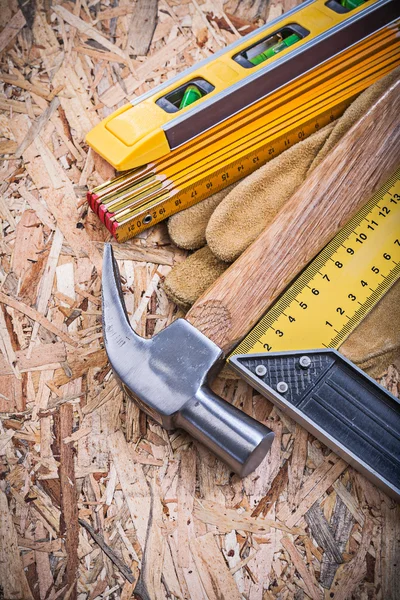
pixel 340 286
pixel 208 160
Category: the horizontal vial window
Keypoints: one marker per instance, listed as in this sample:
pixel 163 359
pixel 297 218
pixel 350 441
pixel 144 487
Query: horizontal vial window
pixel 185 95
pixel 344 6
pixel 271 45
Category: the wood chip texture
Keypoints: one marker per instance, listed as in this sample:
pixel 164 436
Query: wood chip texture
pixel 96 500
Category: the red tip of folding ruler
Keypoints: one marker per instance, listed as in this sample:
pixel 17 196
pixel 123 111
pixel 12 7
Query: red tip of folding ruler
pixel 94 202
pixel 89 199
pixel 107 221
pixel 103 213
pixel 113 228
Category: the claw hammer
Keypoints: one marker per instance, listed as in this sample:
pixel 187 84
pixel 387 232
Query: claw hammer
pixel 168 376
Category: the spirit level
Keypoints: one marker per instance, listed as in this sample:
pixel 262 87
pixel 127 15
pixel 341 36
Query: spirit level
pixel 227 116
pixel 320 389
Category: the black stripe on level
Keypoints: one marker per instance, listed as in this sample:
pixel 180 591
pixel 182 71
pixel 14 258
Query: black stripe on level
pixel 182 130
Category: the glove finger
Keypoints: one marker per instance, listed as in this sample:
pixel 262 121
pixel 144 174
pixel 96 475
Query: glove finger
pixel 189 279
pixel 187 228
pixel 248 209
pixel 355 111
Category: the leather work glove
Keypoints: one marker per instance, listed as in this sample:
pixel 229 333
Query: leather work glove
pixel 225 224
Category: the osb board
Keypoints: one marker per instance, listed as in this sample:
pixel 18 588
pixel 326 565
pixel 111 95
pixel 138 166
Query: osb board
pixel 96 501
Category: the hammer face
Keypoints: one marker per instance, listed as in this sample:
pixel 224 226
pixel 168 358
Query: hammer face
pixel 161 374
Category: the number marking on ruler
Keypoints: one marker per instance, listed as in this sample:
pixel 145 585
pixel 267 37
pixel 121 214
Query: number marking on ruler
pixel 341 285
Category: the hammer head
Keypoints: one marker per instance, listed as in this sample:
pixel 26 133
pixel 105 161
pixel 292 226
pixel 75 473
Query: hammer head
pixel 161 374
pixel 167 376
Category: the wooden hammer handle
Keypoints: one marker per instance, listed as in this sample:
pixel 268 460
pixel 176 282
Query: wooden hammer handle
pixel 344 181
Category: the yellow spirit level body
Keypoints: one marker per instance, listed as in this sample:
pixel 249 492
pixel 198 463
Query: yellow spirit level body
pixel 144 130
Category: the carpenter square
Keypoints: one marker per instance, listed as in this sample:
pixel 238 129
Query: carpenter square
pixel 168 375
pixel 337 402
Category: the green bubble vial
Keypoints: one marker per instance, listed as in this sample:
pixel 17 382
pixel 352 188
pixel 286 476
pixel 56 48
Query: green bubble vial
pixel 275 49
pixel 192 94
pixel 352 4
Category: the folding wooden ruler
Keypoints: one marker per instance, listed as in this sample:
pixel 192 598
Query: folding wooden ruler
pixel 290 355
pixel 223 118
